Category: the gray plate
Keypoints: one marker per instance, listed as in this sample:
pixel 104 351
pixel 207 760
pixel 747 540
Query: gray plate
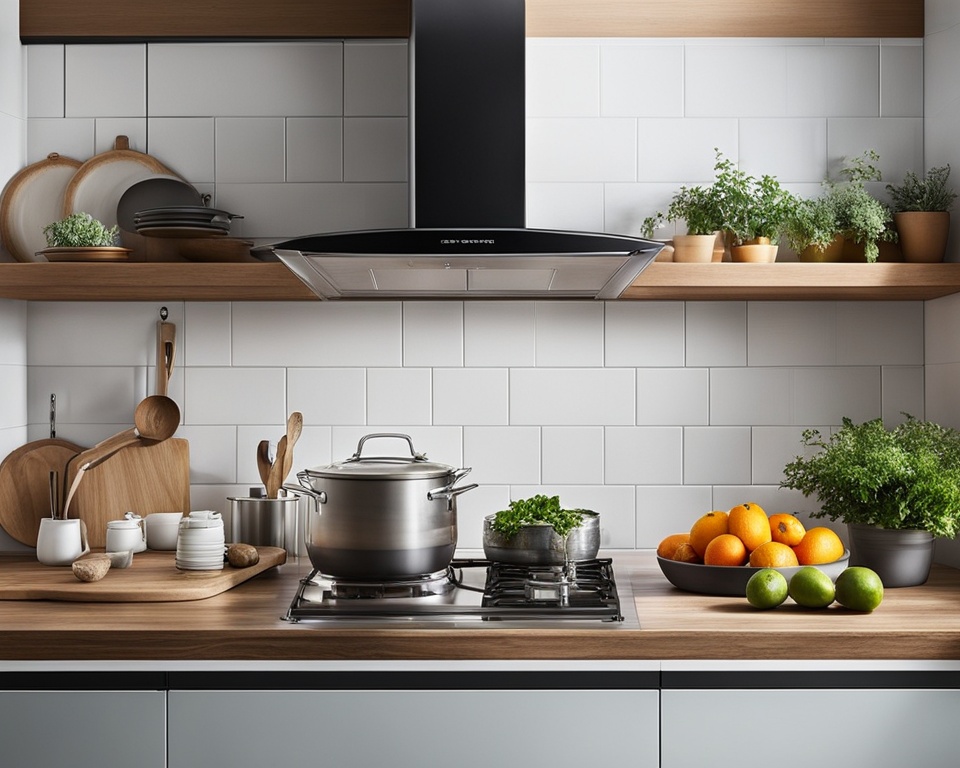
pixel 730 580
pixel 157 192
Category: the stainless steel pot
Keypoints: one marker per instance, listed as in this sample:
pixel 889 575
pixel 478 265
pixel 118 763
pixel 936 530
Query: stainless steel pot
pixel 381 518
pixel 541 545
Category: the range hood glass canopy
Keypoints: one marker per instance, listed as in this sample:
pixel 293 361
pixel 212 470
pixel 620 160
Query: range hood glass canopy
pixel 452 263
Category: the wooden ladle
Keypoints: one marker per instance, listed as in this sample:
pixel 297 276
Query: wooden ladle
pixel 156 418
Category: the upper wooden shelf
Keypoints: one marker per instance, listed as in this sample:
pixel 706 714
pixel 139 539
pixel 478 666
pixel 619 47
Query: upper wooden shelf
pixel 660 281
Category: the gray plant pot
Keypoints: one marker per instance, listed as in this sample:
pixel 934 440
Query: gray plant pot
pixel 900 558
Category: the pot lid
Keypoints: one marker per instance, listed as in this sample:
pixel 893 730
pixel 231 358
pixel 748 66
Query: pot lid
pixel 414 466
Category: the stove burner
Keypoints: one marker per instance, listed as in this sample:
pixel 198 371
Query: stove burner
pixel 583 590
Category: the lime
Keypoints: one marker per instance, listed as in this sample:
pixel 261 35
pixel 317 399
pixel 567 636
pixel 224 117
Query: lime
pixel 859 589
pixel 767 588
pixel 812 588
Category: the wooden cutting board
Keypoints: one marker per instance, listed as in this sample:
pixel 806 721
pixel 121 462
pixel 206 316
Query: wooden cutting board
pixel 139 478
pixel 152 578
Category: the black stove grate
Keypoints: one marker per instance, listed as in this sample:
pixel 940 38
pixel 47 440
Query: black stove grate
pixel 506 595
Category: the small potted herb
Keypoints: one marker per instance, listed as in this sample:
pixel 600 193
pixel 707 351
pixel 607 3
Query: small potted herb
pixel 812 230
pixel 921 213
pixel 539 531
pixel 896 489
pixel 699 208
pixel 80 236
pixel 863 220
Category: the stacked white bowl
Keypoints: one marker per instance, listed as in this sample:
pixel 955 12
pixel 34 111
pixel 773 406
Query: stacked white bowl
pixel 200 542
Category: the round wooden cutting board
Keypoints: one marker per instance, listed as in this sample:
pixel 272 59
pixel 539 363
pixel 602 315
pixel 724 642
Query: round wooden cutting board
pixel 25 484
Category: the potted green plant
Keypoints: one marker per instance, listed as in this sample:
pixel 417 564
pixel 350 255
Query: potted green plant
pixel 80 236
pixel 863 220
pixel 698 207
pixel 896 489
pixel 812 230
pixel 921 213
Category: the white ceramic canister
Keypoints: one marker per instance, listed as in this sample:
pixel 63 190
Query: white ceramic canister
pixel 60 542
pixel 127 534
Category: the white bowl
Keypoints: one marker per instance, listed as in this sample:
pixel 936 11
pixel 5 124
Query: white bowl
pixel 162 529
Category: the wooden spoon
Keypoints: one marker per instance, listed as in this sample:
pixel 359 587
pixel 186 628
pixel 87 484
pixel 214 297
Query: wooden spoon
pixel 294 428
pixel 263 461
pixel 274 480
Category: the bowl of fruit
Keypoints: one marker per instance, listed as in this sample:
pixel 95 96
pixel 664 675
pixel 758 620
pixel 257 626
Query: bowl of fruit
pixel 723 550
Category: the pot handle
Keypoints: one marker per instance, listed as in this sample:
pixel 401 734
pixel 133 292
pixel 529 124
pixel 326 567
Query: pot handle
pixel 304 489
pixel 448 491
pixel 413 452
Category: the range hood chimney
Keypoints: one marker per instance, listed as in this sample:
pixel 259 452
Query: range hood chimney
pixel 467 207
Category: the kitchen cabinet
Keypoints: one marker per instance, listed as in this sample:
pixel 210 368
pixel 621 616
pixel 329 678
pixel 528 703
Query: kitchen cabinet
pixel 886 728
pixel 414 729
pixel 660 281
pixel 83 729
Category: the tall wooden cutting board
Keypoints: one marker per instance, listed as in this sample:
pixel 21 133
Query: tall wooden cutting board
pixel 141 478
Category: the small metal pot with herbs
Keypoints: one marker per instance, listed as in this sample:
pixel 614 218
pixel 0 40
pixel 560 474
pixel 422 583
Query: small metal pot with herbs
pixel 538 531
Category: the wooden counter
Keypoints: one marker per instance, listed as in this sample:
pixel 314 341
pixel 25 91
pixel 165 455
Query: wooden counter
pixel 244 624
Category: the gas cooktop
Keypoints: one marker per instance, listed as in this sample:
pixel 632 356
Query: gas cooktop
pixel 468 589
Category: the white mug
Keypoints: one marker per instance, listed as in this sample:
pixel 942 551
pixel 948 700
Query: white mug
pixel 126 534
pixel 60 542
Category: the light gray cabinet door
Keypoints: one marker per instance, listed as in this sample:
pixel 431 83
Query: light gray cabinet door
pixel 880 728
pixel 414 729
pixel 83 729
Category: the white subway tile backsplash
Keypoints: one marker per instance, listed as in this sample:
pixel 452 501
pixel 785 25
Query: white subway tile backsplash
pixel 205 338
pixel 673 396
pixel 105 80
pixel 13 395
pixel 716 455
pixel 245 79
pixel 45 80
pixel 471 396
pixel 314 149
pixel 328 395
pixel 107 129
pixel 234 396
pixel 13 340
pixel 432 333
pixel 85 395
pixel 901 80
pixel 712 73
pixel 683 149
pixel 880 332
pixel 249 149
pixel 901 392
pixel 716 333
pixel 185 145
pixel 898 141
pixel 563 80
pixel 643 455
pixel 472 507
pixel 572 455
pixel 833 80
pixel 572 396
pixel 751 396
pixel 639 80
pixel 606 149
pixel 792 149
pixel 375 78
pixel 571 207
pixel 773 449
pixel 317 334
pixel 213 453
pixel 399 395
pixel 569 334
pixel 791 333
pixel 73 137
pixel 375 149
pixel 502 455
pixel 940 319
pixel 644 334
pixel 940 394
pixel 666 509
pixel 825 395
pixel 499 333
pixel 625 206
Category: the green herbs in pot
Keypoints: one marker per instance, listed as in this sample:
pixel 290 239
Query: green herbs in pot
pixel 537 510
pixel 80 230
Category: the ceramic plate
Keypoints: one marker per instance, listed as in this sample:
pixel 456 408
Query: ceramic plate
pixel 153 193
pixel 85 254
pixel 729 580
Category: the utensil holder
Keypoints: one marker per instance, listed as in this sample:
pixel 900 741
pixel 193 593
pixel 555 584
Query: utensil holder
pixel 266 522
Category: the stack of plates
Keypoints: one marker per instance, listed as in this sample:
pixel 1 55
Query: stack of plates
pixel 200 542
pixel 183 221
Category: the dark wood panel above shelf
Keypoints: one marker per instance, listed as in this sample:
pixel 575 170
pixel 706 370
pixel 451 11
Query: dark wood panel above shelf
pixel 661 281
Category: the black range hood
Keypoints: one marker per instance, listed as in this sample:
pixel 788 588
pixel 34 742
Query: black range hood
pixel 467 237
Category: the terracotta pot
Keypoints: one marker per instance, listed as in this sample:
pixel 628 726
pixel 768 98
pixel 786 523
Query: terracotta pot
pixel 832 252
pixel 923 235
pixel 854 252
pixel 758 251
pixel 694 249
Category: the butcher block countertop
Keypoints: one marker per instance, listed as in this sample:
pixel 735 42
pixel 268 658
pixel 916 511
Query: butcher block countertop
pixel 661 623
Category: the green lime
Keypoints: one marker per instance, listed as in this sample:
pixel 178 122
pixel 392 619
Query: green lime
pixel 767 588
pixel 859 589
pixel 812 588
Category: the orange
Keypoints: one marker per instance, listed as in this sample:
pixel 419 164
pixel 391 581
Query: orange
pixel 725 549
pixel 786 529
pixel 819 545
pixel 707 528
pixel 749 523
pixel 669 545
pixel 773 554
pixel 685 554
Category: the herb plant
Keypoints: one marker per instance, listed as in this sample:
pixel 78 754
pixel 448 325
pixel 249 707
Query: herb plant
pixel 860 216
pixel 907 477
pixel 751 208
pixel 812 223
pixel 536 510
pixel 928 194
pixel 80 230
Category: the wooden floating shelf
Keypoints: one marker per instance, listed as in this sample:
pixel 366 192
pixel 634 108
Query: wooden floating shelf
pixel 660 281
